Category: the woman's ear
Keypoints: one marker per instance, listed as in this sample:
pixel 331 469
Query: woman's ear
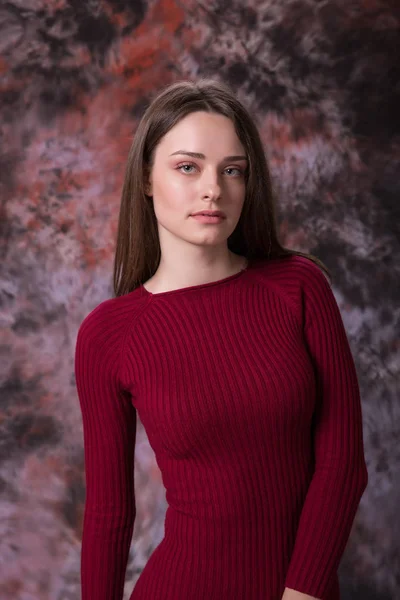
pixel 148 188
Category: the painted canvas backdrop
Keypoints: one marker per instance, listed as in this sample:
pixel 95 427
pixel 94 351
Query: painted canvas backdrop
pixel 322 80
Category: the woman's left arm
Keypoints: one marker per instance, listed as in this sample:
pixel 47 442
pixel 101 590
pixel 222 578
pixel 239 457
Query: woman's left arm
pixel 340 475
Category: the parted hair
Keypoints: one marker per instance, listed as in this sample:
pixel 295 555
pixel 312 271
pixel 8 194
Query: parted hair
pixel 138 251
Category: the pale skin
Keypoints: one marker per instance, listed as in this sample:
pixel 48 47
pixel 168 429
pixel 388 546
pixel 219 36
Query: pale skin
pixel 210 177
pixel 199 164
pixel 290 594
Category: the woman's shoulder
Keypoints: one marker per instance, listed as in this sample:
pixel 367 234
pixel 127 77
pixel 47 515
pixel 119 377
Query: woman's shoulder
pixel 290 269
pixel 294 279
pixel 111 316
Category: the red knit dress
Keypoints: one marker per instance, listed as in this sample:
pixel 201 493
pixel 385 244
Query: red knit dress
pixel 248 393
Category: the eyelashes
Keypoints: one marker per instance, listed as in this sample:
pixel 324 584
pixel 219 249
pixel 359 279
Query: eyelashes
pixel 186 164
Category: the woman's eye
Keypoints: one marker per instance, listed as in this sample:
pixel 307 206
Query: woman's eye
pixel 239 172
pixel 184 167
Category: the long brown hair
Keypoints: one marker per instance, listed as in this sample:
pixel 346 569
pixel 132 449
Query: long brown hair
pixel 138 251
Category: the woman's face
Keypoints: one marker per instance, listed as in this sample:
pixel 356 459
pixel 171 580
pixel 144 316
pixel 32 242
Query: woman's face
pixel 214 179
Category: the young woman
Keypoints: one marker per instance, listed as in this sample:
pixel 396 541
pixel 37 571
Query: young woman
pixel 232 351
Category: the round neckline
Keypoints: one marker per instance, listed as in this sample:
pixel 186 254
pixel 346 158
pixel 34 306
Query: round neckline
pixel 198 286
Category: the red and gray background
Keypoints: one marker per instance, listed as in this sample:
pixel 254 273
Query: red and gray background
pixel 322 79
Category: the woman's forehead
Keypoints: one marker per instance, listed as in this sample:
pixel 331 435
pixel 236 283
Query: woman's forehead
pixel 207 134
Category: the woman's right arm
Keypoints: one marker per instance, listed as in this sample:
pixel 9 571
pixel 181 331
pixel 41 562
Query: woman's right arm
pixel 109 429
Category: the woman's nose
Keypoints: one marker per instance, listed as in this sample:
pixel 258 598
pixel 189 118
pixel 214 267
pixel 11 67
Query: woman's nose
pixel 212 187
pixel 212 191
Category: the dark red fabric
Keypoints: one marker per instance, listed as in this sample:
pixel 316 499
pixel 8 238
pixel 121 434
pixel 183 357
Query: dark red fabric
pixel 248 392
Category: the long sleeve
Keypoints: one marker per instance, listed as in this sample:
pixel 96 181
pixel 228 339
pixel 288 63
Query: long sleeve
pixel 340 476
pixel 109 427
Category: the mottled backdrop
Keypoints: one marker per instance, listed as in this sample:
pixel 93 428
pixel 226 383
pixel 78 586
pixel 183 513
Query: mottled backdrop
pixel 323 80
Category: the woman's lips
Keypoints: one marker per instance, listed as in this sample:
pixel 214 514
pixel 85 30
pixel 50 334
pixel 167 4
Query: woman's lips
pixel 208 218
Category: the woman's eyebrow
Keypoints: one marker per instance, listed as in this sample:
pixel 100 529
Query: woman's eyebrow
pixel 202 156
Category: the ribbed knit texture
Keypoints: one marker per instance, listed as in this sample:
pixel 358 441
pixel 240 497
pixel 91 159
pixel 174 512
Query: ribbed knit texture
pixel 248 393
